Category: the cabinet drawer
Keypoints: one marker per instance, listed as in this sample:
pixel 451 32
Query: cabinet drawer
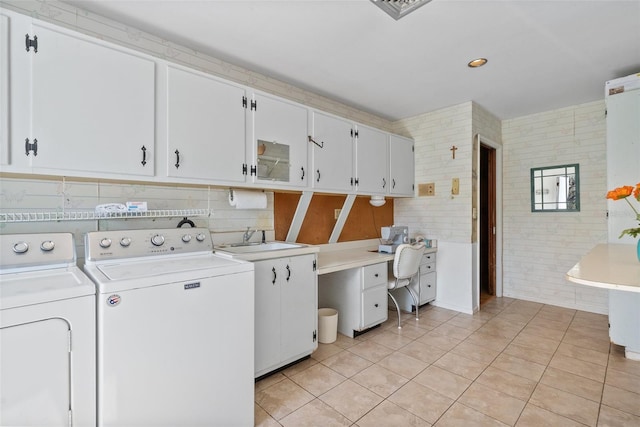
pixel 374 306
pixel 427 268
pixel 374 275
pixel 427 258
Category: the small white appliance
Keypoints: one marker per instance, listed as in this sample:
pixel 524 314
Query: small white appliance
pixel 175 331
pixel 393 237
pixel 47 333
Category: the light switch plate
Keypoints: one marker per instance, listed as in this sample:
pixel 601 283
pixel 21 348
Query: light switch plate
pixel 455 186
pixel 428 189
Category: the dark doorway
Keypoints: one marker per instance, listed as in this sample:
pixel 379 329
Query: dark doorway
pixel 487 225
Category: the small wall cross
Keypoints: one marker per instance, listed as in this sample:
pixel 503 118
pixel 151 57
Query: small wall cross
pixel 453 151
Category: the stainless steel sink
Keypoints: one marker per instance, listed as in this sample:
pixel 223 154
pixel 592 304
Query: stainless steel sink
pixel 243 248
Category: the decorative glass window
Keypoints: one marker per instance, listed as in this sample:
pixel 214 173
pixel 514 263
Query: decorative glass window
pixel 555 189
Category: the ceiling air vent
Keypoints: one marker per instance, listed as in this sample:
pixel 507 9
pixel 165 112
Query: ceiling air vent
pixel 399 8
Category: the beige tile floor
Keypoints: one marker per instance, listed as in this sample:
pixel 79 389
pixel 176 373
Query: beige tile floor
pixel 514 363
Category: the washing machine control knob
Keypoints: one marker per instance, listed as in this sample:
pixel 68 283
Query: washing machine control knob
pixel 186 238
pixel 47 245
pixel 157 240
pixel 200 237
pixel 105 242
pixel 21 247
pixel 125 242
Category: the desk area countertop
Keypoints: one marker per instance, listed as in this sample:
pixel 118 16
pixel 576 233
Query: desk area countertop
pixel 609 266
pixel 342 256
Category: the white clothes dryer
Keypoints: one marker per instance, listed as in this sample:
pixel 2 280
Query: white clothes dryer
pixel 47 333
pixel 175 332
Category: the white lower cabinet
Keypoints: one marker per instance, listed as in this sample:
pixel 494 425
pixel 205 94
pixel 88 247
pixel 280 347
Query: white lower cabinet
pixel 424 284
pixel 359 295
pixel 286 315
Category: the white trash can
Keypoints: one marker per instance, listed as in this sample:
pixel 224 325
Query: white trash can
pixel 327 325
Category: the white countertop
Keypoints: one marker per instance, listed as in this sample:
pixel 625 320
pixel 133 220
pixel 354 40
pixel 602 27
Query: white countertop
pixel 342 256
pixel 610 266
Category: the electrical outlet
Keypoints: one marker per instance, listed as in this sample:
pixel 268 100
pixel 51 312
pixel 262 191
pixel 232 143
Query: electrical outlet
pixel 455 186
pixel 336 213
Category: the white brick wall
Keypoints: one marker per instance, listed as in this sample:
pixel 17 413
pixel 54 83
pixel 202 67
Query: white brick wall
pixel 539 248
pixel 59 195
pixel 443 216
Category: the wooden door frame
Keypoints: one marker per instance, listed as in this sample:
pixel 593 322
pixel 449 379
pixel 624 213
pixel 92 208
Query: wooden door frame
pixel 481 140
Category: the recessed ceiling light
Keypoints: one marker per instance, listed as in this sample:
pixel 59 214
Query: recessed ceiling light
pixel 478 62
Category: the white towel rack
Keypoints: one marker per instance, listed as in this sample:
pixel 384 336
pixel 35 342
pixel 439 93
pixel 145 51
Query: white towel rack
pixel 93 216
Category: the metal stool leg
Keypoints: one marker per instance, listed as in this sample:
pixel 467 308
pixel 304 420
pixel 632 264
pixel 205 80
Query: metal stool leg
pixel 397 308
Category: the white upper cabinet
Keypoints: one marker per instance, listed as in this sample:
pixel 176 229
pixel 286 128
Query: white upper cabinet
pixel 278 142
pixel 92 106
pixel 401 166
pixel 75 105
pixel 372 166
pixel 4 89
pixel 15 89
pixel 205 127
pixel 333 153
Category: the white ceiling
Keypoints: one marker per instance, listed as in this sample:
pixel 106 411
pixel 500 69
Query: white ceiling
pixel 542 54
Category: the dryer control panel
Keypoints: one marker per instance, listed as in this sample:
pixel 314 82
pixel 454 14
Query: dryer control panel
pixel 37 250
pixel 105 245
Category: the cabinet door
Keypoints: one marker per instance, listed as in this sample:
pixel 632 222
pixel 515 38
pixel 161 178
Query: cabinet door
pixel 372 165
pixel 401 166
pixel 205 127
pixel 15 90
pixel 333 153
pixel 267 315
pixel 4 89
pixel 299 305
pixel 93 106
pixel 279 141
pixel 623 158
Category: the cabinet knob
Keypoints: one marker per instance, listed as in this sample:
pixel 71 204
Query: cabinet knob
pixel 376 305
pixel 376 274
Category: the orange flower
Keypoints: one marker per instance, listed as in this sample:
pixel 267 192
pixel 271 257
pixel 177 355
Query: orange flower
pixel 620 192
pixel 624 192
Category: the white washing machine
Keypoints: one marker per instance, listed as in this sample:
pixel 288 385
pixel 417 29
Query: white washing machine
pixel 47 333
pixel 174 330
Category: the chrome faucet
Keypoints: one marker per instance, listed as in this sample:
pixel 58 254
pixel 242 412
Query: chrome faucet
pixel 247 235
